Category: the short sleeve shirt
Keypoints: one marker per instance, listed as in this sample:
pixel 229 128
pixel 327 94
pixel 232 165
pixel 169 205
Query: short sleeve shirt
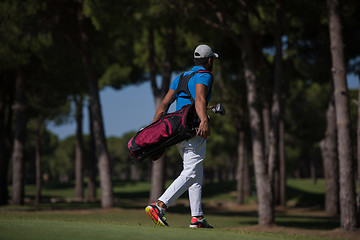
pixel 199 78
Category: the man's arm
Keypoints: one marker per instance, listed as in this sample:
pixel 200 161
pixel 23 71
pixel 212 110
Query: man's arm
pixel 200 106
pixel 160 111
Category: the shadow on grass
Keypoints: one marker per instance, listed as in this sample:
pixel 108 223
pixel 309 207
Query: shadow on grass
pixel 247 218
pixel 304 198
pixel 132 195
pixel 58 185
pixel 307 222
pixel 213 189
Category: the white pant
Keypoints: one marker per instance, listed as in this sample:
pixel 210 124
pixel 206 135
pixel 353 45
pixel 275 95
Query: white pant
pixel 193 153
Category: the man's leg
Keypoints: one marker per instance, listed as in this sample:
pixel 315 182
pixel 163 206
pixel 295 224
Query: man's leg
pixel 195 199
pixel 193 154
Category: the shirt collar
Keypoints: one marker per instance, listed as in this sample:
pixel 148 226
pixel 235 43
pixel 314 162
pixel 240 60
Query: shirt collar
pixel 197 68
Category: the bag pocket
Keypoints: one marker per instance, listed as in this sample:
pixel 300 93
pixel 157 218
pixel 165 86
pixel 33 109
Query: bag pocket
pixel 152 134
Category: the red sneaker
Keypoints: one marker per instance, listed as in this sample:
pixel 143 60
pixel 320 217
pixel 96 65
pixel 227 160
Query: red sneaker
pixel 157 214
pixel 196 223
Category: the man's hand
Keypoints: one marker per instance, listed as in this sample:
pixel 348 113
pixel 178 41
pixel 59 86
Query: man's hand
pixel 204 128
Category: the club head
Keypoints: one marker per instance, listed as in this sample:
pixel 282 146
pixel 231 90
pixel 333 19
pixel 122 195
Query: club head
pixel 218 108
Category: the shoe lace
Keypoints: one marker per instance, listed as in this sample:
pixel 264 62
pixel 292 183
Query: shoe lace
pixel 162 213
pixel 205 222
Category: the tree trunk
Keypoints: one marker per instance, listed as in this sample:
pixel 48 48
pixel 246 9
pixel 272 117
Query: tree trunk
pixel 243 180
pixel 266 213
pixel 134 173
pixel 157 179
pixel 158 167
pixel 263 187
pixel 19 141
pixel 37 163
pixel 313 169
pixel 91 184
pixel 5 131
pixel 107 198
pixel 275 110
pixel 347 187
pixel 79 151
pixel 265 95
pixel 330 163
pixel 282 157
pixel 266 118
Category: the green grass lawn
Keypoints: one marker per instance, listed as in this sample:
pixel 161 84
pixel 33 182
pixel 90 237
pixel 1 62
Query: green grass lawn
pixel 128 220
pixel 38 230
pixel 125 224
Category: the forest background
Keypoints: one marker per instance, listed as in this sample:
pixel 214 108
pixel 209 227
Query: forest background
pixel 275 76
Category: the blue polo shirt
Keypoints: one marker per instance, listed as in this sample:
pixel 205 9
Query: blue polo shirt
pixel 199 78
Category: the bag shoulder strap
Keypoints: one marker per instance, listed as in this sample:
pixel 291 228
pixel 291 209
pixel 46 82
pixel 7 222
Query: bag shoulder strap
pixel 184 88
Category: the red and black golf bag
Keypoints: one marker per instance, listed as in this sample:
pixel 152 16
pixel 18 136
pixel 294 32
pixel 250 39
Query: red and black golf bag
pixel 172 128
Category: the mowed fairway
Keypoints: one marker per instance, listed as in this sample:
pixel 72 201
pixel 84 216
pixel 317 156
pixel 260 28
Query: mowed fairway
pixel 131 224
pixel 102 224
pixel 128 220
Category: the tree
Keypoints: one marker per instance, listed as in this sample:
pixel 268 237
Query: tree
pixel 273 157
pixel 330 162
pixel 263 185
pixel 79 38
pixel 37 163
pixel 107 198
pixel 6 102
pixel 227 88
pixel 158 168
pixel 91 184
pixel 347 188
pixel 105 49
pixel 19 140
pixel 79 179
pixel 22 37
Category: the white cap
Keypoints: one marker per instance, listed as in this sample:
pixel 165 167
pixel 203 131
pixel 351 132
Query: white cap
pixel 204 51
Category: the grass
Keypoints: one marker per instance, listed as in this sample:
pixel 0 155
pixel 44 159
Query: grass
pixel 39 230
pixel 303 219
pixel 124 224
pixel 305 193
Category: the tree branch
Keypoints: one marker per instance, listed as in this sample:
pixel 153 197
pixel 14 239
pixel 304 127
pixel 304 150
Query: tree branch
pixel 224 29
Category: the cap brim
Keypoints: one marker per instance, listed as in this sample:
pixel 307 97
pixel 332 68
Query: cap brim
pixel 216 55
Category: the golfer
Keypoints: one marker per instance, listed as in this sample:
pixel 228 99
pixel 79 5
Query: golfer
pixel 193 150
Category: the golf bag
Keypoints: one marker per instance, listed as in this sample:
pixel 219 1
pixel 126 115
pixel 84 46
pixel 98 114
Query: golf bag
pixel 172 128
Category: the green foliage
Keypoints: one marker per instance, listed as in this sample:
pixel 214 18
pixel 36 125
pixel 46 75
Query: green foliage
pixel 22 33
pixel 115 75
pixel 113 38
pixel 48 146
pixel 221 144
pixel 305 118
pixel 118 155
pixel 62 164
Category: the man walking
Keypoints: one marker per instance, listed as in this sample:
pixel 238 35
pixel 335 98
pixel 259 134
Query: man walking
pixel 193 150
